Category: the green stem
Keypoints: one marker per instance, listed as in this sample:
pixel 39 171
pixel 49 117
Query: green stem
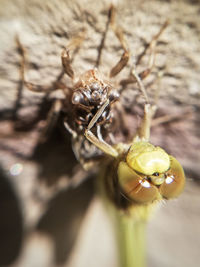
pixel 131 239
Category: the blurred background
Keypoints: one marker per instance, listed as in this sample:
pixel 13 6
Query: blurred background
pixel 50 214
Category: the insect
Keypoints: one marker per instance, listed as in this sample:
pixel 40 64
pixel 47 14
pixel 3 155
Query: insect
pixel 88 105
pixel 134 182
pixel 142 173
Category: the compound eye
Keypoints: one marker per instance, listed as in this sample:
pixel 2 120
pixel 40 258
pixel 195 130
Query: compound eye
pixel 134 186
pixel 174 180
pixel 114 95
pixel 77 98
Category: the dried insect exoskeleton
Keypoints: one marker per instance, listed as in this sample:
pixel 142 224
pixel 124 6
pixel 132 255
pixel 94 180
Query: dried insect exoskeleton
pixel 87 106
pixel 94 98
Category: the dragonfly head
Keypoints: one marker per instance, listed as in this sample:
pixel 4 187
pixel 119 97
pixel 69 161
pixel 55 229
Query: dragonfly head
pixel 149 173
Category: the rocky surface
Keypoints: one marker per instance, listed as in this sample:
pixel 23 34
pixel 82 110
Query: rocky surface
pixel 42 200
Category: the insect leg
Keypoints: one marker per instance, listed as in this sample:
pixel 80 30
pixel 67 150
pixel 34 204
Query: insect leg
pixel 101 144
pixel 143 132
pixel 150 46
pixel 153 43
pixel 101 46
pixel 98 114
pixel 51 119
pixel 121 115
pixel 74 45
pixel 140 84
pixel 66 62
pixel 171 117
pixel 22 52
pixel 70 130
pixel 30 86
pixel 36 87
pixel 120 35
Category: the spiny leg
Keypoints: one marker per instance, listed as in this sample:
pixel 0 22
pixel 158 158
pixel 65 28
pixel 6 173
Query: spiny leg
pixel 140 84
pixel 100 143
pixel 151 46
pixel 120 65
pixel 169 117
pixel 143 132
pixel 102 43
pixel 70 130
pixel 74 45
pixel 33 87
pixel 22 52
pixel 148 121
pixel 98 114
pixel 37 88
pixel 143 74
pixel 66 62
pixel 120 35
pixel 57 105
pixel 122 123
pixel 52 118
pixel 153 42
pixel 30 86
pixel 99 135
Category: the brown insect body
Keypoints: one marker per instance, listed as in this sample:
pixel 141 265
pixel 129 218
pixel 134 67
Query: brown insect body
pixel 86 97
pixel 89 94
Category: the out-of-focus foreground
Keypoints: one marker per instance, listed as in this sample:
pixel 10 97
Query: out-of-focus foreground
pixel 48 217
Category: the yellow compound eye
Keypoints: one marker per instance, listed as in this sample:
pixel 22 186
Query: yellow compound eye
pixel 174 180
pixel 134 186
